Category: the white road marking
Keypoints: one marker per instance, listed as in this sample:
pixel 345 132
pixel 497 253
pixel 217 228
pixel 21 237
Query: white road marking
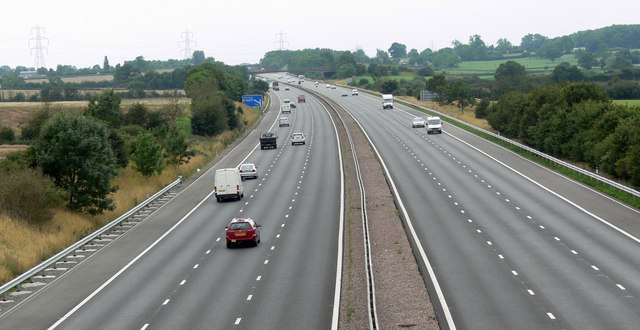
pixel 574 251
pixel 594 267
pixel 489 242
pixel 258 278
pixel 500 256
pixel 249 297
pixel 556 238
pixel 541 227
pixel 183 282
pixel 531 292
pixel 266 261
pixel 208 251
pixel 514 272
pixel 166 302
pixel 218 240
pixel 273 247
pixel 145 326
pixel 551 316
pixel 278 236
pixel 238 321
pixel 196 266
pixel 469 220
pixel 620 286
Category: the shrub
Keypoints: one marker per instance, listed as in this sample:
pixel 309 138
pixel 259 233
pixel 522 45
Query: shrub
pixel 21 185
pixel 7 134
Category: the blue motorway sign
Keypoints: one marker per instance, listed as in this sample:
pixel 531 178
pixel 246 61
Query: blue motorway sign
pixel 252 100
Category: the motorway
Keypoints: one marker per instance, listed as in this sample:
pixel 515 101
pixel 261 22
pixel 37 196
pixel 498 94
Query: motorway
pixel 512 245
pixel 173 271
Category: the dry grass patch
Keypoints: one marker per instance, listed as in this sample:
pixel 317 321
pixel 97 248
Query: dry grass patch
pixel 22 246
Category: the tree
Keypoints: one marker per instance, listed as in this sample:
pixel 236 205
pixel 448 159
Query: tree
pixel 397 51
pixel 382 56
pixel 504 46
pixel 35 123
pixel 198 57
pixel 388 86
pixel 75 151
pixel 176 148
pixel 147 155
pixel 137 115
pixel 532 42
pixel 445 58
pixel 510 76
pixel 566 72
pixel 105 66
pixel 586 59
pixel 106 107
pixel 458 92
pixel 209 116
pixel 438 85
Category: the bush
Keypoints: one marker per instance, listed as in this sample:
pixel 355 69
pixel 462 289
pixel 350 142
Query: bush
pixel 7 134
pixel 22 185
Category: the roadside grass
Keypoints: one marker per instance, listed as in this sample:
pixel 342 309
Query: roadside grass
pixel 23 246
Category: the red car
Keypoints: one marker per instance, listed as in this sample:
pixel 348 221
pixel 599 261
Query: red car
pixel 302 99
pixel 242 230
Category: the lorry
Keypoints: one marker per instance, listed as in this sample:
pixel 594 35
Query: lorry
pixel 434 125
pixel 228 184
pixel 387 101
pixel 275 86
pixel 268 140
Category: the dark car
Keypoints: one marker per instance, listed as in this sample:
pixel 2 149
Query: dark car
pixel 242 231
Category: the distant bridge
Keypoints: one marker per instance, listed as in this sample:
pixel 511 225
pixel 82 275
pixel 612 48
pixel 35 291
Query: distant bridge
pixel 296 70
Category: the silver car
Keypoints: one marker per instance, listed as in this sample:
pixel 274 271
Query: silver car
pixel 418 122
pixel 248 170
pixel 297 138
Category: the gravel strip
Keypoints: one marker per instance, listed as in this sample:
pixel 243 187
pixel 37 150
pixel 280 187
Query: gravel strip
pixel 402 300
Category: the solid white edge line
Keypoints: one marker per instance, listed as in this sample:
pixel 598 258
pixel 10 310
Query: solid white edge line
pixel 116 275
pixel 432 275
pixel 338 286
pixel 620 230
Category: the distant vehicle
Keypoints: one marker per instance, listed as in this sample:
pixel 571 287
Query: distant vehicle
pixel 301 77
pixel 327 86
pixel 317 83
pixel 286 101
pixel 286 88
pixel 302 99
pixel 242 230
pixel 269 140
pixel 228 184
pixel 387 101
pixel 286 107
pixel 275 86
pixel 344 93
pixel 434 125
pixel 333 87
pixel 417 122
pixel 297 138
pixel 248 170
pixel 283 121
pixel 354 92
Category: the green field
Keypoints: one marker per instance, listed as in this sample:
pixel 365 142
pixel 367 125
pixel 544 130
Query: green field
pixel 488 68
pixel 629 103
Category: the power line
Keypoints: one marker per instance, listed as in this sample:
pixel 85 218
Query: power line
pixel 186 40
pixel 280 41
pixel 39 54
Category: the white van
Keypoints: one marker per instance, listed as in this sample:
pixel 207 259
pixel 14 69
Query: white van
pixel 434 125
pixel 228 184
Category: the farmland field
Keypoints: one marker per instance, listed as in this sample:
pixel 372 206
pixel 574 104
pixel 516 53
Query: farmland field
pixel 17 114
pixel 78 79
pixel 532 64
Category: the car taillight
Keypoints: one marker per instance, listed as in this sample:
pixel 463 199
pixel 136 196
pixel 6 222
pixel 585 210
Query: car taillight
pixel 237 187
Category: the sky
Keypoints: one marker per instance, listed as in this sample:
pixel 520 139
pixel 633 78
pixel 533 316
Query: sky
pixel 82 32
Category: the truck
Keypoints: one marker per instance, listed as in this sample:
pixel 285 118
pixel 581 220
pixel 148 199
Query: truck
pixel 286 107
pixel 387 101
pixel 268 140
pixel 275 86
pixel 228 184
